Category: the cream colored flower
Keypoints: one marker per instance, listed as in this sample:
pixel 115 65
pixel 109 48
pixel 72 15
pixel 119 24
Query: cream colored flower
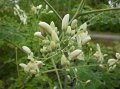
pixel 26 49
pixel 82 35
pixel 20 13
pixel 65 22
pixel 46 27
pixel 118 55
pixel 98 54
pixel 76 54
pixel 68 30
pixel 54 36
pixel 32 67
pixel 111 62
pixel 39 35
pixel 64 60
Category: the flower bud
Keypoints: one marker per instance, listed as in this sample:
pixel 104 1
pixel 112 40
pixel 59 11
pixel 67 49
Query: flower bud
pixel 65 22
pixel 52 44
pixel 111 62
pixel 38 34
pixel 39 63
pixel 30 56
pixel 74 54
pixel 39 7
pixel 118 55
pixel 46 27
pixel 64 61
pixel 83 26
pixel 86 39
pixel 54 36
pixel 74 24
pixel 52 24
pixel 50 12
pixel 68 30
pixel 26 49
pixel 45 42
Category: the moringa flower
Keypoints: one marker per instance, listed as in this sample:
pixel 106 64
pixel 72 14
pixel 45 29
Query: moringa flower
pixel 45 27
pixel 75 54
pixel 82 35
pixel 111 62
pixel 64 60
pixel 118 55
pixel 68 30
pixel 54 36
pixel 98 54
pixel 38 34
pixel 65 22
pixel 26 49
pixel 32 67
pixel 20 13
pixel 36 9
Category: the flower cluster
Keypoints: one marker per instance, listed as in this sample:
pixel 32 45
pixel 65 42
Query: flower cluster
pixel 51 40
pixel 32 67
pixel 18 11
pixel 37 9
pixel 113 62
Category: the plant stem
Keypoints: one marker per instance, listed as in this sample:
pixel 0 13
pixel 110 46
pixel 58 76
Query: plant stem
pixel 80 7
pixel 16 51
pixel 53 9
pixel 56 70
pixel 72 67
pixel 98 11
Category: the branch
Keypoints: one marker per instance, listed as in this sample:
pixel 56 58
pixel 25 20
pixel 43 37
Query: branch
pixel 98 11
pixel 80 7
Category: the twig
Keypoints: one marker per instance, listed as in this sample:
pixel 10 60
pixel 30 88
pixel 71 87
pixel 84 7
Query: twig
pixel 16 51
pixel 80 7
pixel 56 70
pixel 97 11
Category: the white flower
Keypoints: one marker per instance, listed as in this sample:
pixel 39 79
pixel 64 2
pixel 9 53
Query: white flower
pixel 118 55
pixel 73 55
pixel 65 21
pixel 46 27
pixel 82 35
pixel 39 7
pixel 38 34
pixel 64 60
pixel 99 54
pixel 111 62
pixel 25 67
pixel 30 56
pixel 50 12
pixel 32 67
pixel 88 81
pixel 36 9
pixel 20 13
pixel 26 49
pixel 74 24
pixel 112 67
